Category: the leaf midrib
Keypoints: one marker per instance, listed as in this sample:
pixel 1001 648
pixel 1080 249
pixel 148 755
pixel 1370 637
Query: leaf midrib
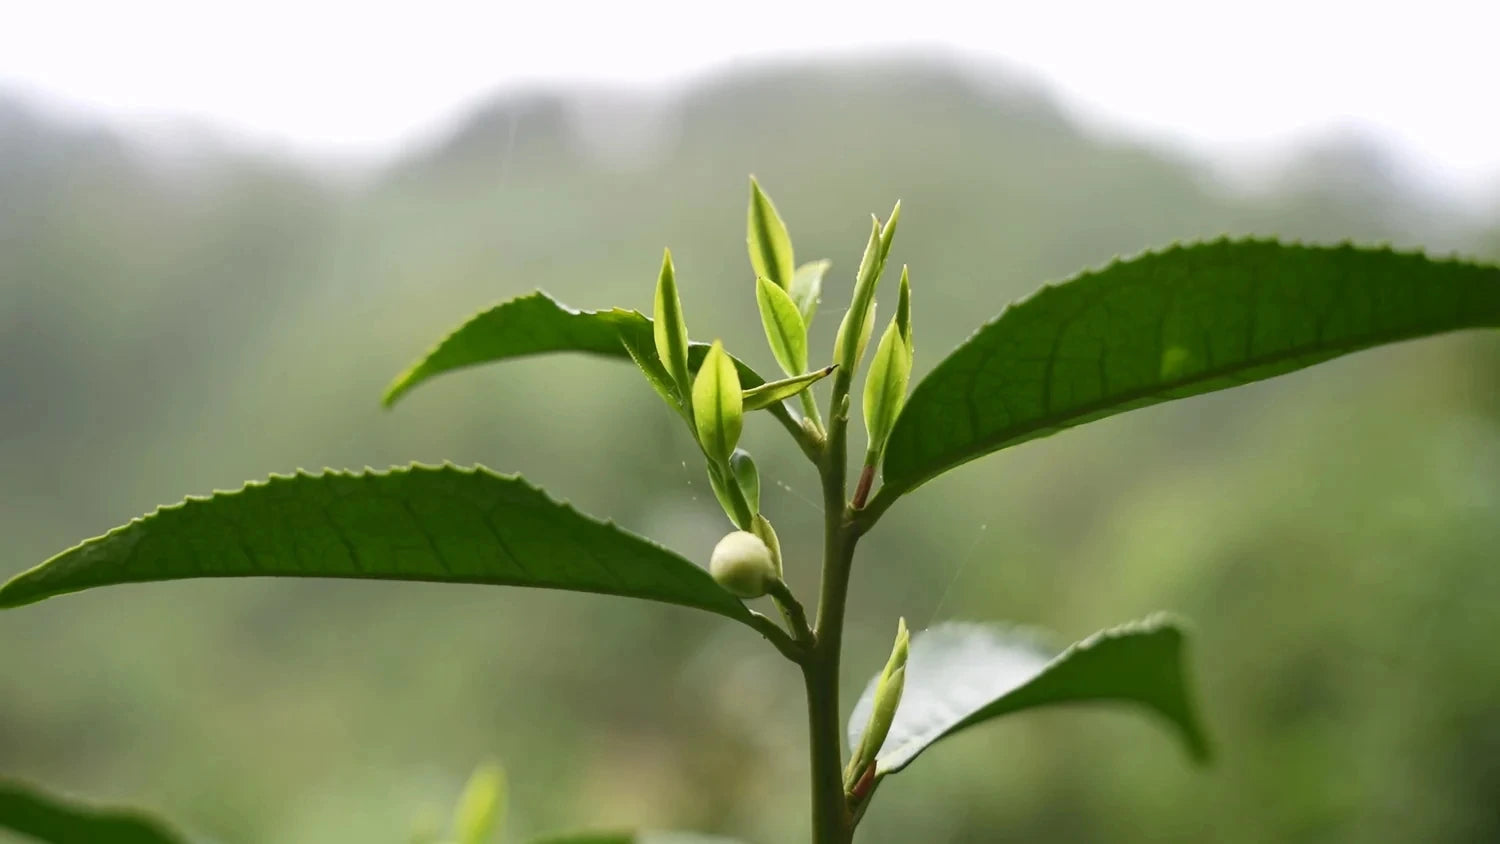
pixel 1039 426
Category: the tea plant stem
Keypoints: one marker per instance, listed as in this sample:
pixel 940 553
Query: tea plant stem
pixel 832 821
pixel 866 515
pixel 776 636
pixel 810 445
pixel 866 478
pixel 810 409
pixel 791 608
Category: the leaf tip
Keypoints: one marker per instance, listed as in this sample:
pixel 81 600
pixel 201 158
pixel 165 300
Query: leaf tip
pixel 397 388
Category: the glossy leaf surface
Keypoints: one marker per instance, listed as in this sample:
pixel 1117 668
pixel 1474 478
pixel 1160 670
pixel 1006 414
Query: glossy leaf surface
pixel 1168 325
pixel 766 236
pixel 537 324
pixel 960 674
pixel 441 524
pixel 785 331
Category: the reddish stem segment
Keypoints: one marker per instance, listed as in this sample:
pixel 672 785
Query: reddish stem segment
pixel 862 491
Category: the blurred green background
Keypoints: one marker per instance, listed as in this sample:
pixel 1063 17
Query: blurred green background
pixel 175 322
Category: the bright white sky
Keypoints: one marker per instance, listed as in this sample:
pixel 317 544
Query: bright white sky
pixel 363 76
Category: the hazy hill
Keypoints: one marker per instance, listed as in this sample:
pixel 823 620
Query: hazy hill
pixel 171 326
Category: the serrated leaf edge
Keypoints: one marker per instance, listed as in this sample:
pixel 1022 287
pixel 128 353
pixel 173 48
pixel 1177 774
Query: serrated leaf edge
pixel 1348 245
pixel 446 467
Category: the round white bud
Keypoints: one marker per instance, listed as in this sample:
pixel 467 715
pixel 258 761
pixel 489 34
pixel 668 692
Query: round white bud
pixel 741 563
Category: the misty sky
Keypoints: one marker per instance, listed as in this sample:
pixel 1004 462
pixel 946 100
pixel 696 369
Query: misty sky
pixel 362 78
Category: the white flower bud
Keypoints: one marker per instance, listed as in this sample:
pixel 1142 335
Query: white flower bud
pixel 742 563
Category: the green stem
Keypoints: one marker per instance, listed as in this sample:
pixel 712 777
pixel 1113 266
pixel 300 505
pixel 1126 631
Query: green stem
pixel 789 648
pixel 810 408
pixel 832 821
pixel 791 610
pixel 867 515
pixel 810 444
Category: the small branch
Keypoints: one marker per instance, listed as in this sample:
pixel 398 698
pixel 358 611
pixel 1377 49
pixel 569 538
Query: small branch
pixel 859 803
pixel 862 490
pixel 791 608
pixel 865 517
pixel 790 649
pixel 743 516
pixel 810 409
pixel 810 445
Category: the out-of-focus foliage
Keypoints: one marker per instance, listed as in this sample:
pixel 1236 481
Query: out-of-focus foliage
pixel 51 819
pixel 172 325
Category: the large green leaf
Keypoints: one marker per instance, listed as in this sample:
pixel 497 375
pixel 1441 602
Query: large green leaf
pixel 960 674
pixel 441 523
pixel 1169 325
pixel 55 820
pixel 537 324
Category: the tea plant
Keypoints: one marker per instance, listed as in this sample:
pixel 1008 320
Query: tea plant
pixel 1159 326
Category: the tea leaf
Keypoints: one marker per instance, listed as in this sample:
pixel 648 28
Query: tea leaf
pixel 1168 325
pixel 431 523
pixel 770 245
pixel 959 675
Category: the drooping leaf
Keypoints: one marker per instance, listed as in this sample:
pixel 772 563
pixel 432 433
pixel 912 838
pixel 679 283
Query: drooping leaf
pixel 959 675
pixel 52 819
pixel 718 406
pixel 775 392
pixel 785 331
pixel 430 523
pixel 537 324
pixel 766 236
pixel 529 325
pixel 1168 325
pixel 807 287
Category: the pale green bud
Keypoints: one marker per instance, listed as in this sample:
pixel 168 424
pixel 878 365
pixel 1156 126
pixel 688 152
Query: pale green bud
pixel 887 698
pixel 670 328
pixel 885 388
pixel 864 333
pixel 766 236
pixel 742 564
pixel 903 309
pixel 718 406
pixel 785 330
pixel 859 318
